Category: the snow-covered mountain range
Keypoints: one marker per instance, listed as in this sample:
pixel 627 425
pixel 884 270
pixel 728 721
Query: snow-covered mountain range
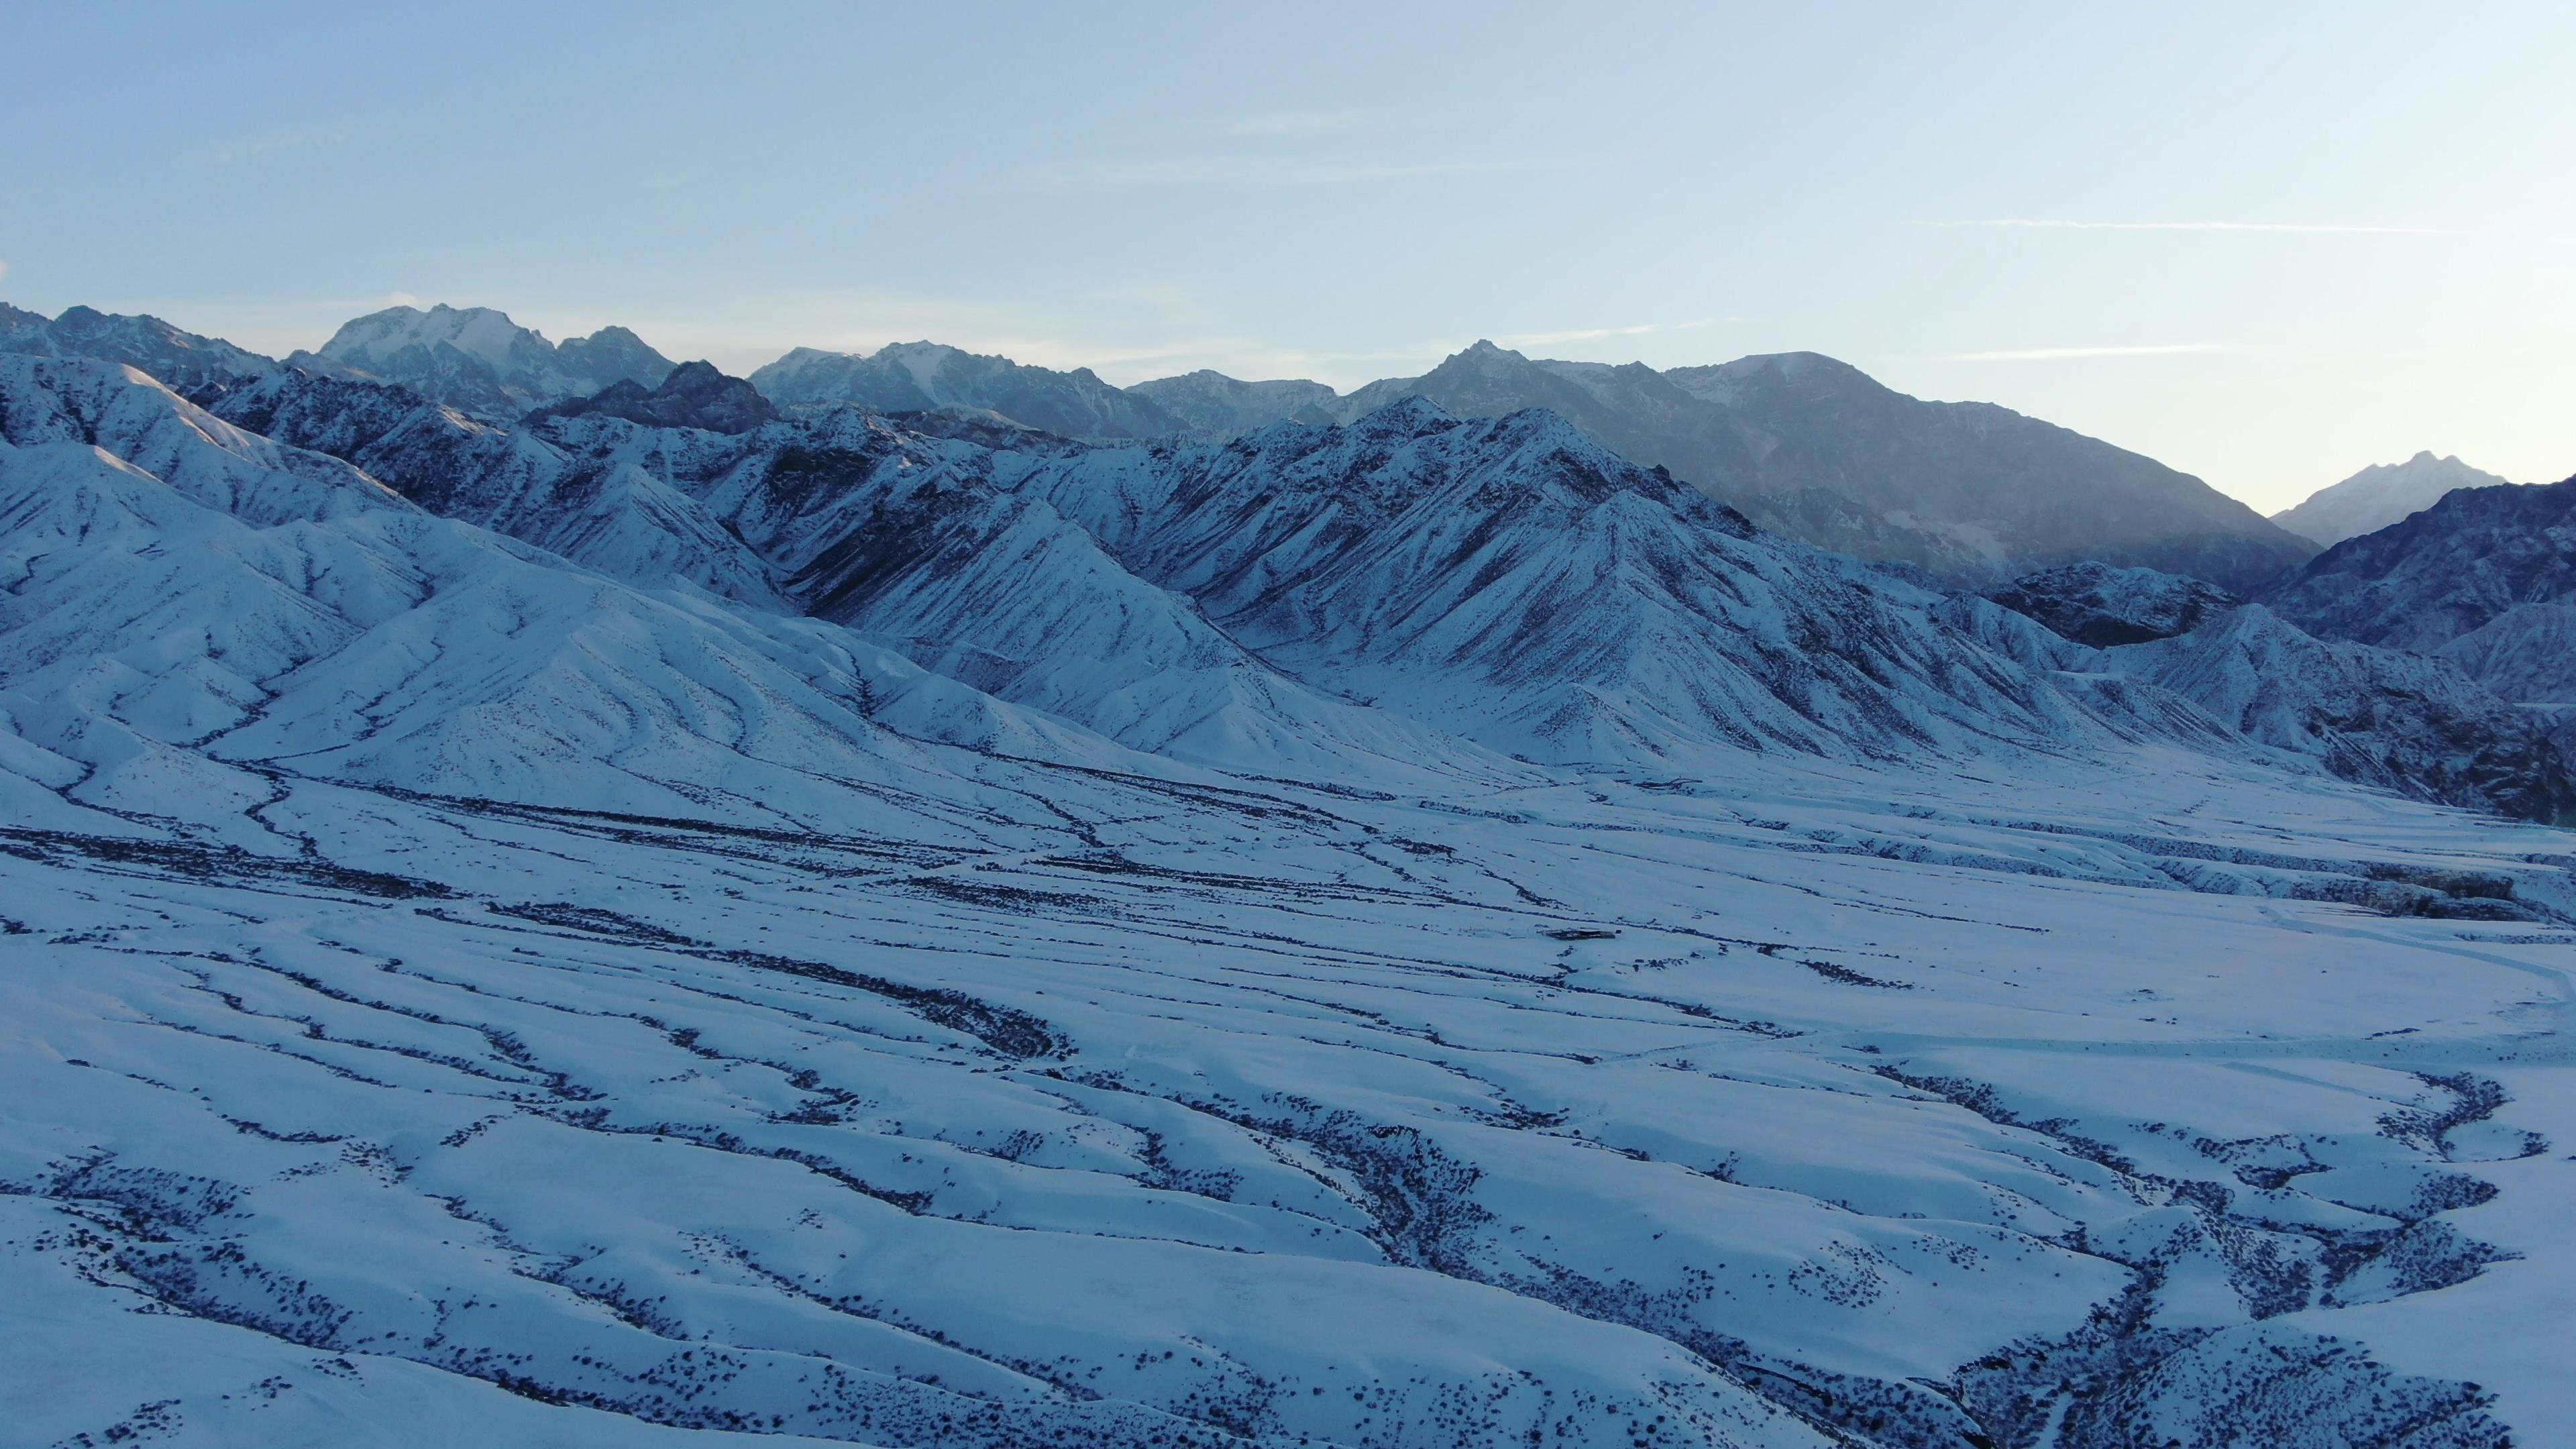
pixel 191 363
pixel 1800 442
pixel 676 912
pixel 2378 496
pixel 478 360
pixel 922 376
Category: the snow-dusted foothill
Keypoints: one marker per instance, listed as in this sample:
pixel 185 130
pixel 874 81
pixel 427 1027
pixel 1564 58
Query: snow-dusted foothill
pixel 2409 722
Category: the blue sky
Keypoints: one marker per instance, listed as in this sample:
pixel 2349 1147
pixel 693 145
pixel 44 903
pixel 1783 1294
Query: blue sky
pixel 2266 244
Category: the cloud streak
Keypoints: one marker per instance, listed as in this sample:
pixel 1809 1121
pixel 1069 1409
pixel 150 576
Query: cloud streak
pixel 1595 334
pixel 1289 123
pixel 2312 228
pixel 271 145
pixel 2061 354
pixel 1109 175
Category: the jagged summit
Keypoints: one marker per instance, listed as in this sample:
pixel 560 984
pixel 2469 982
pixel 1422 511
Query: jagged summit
pixel 477 359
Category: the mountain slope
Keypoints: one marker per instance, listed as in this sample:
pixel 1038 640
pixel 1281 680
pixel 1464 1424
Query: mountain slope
pixel 911 539
pixel 2378 496
pixel 478 360
pixel 2028 493
pixel 1816 449
pixel 622 521
pixel 1517 583
pixel 921 376
pixel 2484 576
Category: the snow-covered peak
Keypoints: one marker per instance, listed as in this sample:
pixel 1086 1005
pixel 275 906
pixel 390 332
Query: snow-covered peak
pixel 482 333
pixel 2380 495
pixel 477 359
pixel 921 361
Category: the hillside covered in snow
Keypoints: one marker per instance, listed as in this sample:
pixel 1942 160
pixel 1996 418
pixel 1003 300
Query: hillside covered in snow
pixel 676 913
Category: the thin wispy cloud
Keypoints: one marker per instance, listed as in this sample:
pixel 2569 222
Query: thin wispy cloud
pixel 271 145
pixel 2320 228
pixel 1154 173
pixel 1595 334
pixel 1289 123
pixel 2061 354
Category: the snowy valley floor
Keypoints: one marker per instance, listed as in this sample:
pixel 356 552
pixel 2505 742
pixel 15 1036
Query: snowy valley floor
pixel 1802 1106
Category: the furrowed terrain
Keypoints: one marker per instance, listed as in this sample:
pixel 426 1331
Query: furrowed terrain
pixel 1841 1110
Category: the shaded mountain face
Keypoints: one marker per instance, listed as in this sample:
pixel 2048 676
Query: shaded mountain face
pixel 2485 576
pixel 2378 496
pixel 1818 450
pixel 695 395
pixel 2099 605
pixel 1215 407
pixel 1983 480
pixel 922 376
pixel 479 361
pixel 189 363
pixel 1641 414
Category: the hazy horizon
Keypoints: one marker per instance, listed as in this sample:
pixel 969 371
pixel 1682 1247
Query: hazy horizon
pixel 2266 249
